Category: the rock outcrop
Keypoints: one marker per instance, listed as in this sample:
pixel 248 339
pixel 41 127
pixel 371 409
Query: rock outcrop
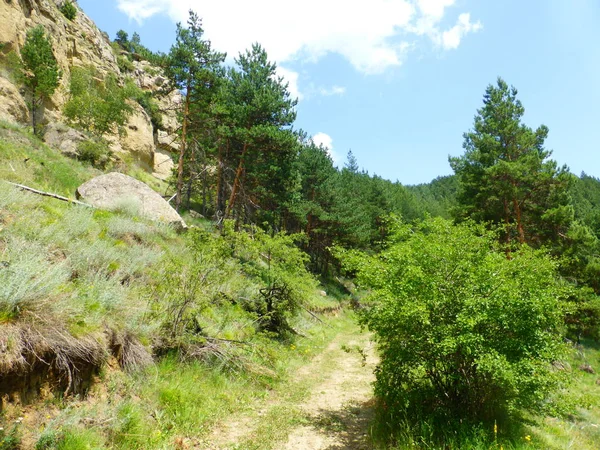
pixel 138 140
pixel 12 105
pixel 80 43
pixel 114 191
pixel 64 138
pixel 163 164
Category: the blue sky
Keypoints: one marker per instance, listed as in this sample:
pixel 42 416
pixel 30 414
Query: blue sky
pixel 399 81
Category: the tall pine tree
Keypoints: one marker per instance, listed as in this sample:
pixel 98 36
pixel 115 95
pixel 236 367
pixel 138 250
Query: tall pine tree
pixel 192 67
pixel 506 176
pixel 260 146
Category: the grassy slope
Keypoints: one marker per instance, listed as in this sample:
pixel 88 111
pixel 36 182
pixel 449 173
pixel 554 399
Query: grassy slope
pixel 89 273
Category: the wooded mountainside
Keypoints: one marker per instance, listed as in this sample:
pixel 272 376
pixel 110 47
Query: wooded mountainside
pixel 477 286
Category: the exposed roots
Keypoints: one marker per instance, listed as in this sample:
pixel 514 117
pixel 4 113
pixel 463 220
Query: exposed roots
pixel 33 355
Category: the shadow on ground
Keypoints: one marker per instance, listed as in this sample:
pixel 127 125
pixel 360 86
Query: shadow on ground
pixel 348 427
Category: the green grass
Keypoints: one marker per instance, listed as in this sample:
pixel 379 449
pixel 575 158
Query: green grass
pixel 581 428
pixel 93 273
pixel 174 401
pixel 26 160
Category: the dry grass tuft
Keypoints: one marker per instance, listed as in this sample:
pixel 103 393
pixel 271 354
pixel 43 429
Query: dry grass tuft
pixel 128 351
pixel 33 354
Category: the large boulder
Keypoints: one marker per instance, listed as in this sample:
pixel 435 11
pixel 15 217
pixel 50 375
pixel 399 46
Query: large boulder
pixel 115 191
pixel 64 138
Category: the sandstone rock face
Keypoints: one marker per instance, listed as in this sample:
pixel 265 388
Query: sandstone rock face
pixel 167 142
pixel 163 164
pixel 81 43
pixel 75 43
pixel 64 138
pixel 12 105
pixel 116 190
pixel 139 137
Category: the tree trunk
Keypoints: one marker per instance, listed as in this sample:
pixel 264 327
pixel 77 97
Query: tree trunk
pixel 310 215
pixel 34 107
pixel 220 182
pixel 519 221
pixel 182 146
pixel 192 177
pixel 507 224
pixel 236 182
pixel 204 184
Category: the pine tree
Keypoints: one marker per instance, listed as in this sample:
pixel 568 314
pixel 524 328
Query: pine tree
pixel 260 145
pixel 312 208
pixel 123 40
pixel 192 67
pixel 506 176
pixel 39 70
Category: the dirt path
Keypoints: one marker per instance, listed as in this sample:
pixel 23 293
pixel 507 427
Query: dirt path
pixel 340 410
pixel 334 415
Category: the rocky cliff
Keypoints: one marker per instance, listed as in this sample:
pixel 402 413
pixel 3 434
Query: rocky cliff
pixel 80 43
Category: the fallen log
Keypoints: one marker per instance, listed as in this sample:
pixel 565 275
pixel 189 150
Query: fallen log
pixel 48 194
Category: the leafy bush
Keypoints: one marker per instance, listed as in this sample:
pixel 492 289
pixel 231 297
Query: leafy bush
pixel 125 64
pixel 464 333
pixel 94 151
pixel 97 106
pixel 276 261
pixel 146 100
pixel 49 440
pixel 10 440
pixel 187 286
pixel 69 10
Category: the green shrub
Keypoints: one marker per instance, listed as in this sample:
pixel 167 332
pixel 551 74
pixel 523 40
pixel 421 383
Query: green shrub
pixel 146 100
pixel 125 64
pixel 28 280
pixel 70 439
pixel 49 440
pixel 275 260
pixel 97 106
pixel 464 333
pixel 187 286
pixel 94 151
pixel 69 10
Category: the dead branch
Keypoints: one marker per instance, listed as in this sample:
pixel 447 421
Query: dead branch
pixel 48 194
pixel 233 341
pixel 315 316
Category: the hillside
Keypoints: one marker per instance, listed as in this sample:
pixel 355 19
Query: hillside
pixel 257 294
pixel 86 294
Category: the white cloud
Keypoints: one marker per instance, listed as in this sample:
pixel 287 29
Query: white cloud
pixel 325 141
pixel 451 38
pixel 434 8
pixel 370 35
pixel 333 90
pixel 359 32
